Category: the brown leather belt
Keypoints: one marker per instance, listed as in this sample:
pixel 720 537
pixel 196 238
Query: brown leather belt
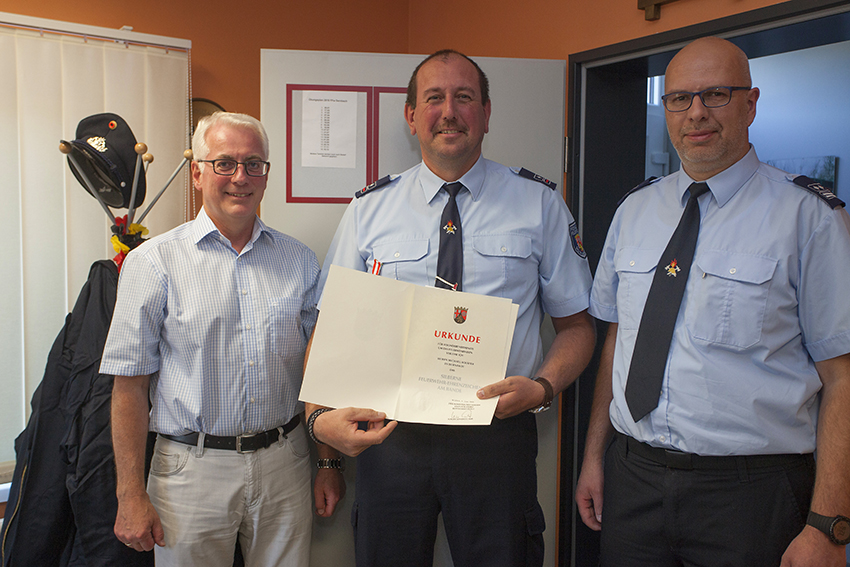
pixel 240 443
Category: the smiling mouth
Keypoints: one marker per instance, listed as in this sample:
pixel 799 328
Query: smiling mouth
pixel 699 135
pixel 239 194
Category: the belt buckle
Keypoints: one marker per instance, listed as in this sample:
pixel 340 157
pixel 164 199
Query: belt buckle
pixel 239 444
pixel 678 460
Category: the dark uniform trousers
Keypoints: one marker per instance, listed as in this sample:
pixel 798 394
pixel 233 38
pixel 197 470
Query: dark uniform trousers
pixel 659 516
pixel 482 479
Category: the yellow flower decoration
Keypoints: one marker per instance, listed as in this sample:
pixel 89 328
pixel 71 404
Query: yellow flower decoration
pixel 136 228
pixel 118 245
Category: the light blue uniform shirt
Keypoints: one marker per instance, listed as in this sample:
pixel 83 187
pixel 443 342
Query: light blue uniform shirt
pixel 221 334
pixel 765 299
pixel 516 244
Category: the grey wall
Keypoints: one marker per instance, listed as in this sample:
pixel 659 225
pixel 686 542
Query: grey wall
pixel 803 110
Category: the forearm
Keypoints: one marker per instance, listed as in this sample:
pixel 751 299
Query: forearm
pixel 570 351
pixel 812 548
pixel 832 484
pixel 130 422
pixel 310 408
pixel 600 430
pixel 567 358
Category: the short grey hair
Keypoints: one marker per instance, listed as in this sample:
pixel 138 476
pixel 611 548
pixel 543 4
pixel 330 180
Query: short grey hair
pixel 200 149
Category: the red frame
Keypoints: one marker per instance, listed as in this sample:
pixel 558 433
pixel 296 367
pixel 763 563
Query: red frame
pixel 372 106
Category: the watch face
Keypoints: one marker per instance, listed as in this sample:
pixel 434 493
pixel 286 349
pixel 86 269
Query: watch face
pixel 841 530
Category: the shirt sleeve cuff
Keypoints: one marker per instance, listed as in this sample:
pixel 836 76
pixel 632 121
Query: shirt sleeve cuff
pixel 603 312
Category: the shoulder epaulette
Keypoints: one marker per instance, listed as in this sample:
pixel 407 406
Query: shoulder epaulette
pixel 819 190
pixel 522 172
pixel 376 185
pixel 643 184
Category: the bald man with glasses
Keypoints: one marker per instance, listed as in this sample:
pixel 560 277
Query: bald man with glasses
pixel 726 364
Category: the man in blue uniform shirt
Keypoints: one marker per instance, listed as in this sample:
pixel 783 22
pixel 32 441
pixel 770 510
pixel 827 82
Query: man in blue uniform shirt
pixel 211 325
pixel 719 470
pixel 516 243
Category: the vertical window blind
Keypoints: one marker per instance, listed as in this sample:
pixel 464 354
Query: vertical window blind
pixel 54 75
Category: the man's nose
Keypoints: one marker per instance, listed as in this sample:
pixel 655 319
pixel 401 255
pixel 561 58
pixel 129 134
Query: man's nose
pixel 240 175
pixel 697 109
pixel 449 108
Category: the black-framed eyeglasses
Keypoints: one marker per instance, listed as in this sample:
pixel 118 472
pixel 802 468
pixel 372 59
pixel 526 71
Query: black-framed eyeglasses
pixel 253 167
pixel 715 97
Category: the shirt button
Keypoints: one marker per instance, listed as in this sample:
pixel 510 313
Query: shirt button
pixel 250 363
pixel 244 292
pixel 397 254
pixel 252 400
pixel 248 327
pixel 632 263
pixel 733 270
pixel 662 438
pixel 504 249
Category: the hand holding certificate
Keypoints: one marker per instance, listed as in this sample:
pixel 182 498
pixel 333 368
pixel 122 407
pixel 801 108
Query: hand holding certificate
pixel 418 354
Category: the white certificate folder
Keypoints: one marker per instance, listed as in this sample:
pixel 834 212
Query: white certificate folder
pixel 418 354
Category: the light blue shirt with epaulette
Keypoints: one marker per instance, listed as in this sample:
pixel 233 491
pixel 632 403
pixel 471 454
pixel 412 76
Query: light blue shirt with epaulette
pixel 765 299
pixel 516 243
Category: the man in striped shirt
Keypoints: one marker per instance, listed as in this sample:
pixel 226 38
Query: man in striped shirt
pixel 210 328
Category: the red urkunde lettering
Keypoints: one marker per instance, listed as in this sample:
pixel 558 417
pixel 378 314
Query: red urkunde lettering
pixel 457 337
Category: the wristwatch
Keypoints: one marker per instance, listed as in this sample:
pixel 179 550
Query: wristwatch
pixel 837 528
pixel 547 397
pixel 331 464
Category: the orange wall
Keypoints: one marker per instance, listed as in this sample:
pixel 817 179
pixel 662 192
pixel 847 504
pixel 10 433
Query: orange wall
pixel 552 29
pixel 225 47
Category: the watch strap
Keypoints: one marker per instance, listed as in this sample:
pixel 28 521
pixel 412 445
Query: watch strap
pixel 828 524
pixel 338 464
pixel 548 396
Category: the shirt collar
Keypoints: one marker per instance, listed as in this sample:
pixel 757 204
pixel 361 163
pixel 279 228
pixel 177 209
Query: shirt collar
pixel 204 226
pixel 473 180
pixel 725 184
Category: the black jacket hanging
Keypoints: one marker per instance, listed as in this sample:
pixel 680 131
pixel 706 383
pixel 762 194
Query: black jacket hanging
pixel 62 503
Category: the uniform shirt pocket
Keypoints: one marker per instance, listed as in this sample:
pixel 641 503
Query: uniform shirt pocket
pixel 635 269
pixel 503 259
pixel 285 326
pixel 402 260
pixel 729 300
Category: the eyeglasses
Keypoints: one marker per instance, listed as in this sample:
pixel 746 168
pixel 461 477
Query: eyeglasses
pixel 253 168
pixel 715 97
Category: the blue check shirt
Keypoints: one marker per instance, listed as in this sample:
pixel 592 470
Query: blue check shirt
pixel 221 333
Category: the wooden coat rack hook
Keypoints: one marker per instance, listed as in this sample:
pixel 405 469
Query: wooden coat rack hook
pixel 652 8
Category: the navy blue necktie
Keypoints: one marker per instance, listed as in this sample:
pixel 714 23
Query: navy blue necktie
pixel 450 259
pixel 652 345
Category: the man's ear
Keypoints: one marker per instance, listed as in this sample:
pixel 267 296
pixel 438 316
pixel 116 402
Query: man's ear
pixel 196 174
pixel 408 116
pixel 752 99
